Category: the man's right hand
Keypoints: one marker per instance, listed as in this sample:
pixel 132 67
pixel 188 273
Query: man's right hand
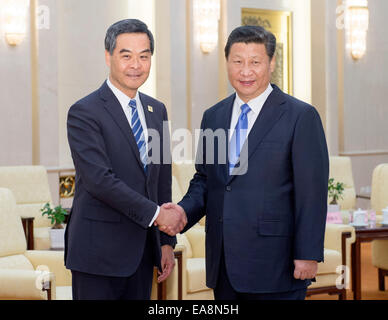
pixel 171 219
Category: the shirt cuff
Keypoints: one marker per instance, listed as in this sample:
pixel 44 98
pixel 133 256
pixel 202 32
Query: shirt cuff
pixel 155 216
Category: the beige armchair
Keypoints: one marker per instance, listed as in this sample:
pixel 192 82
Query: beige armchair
pixel 30 187
pixel 338 240
pixel 194 284
pixel 181 177
pixel 341 170
pixel 379 201
pixel 27 275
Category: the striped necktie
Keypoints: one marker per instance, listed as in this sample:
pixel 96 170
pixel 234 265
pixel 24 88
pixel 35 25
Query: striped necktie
pixel 138 133
pixel 238 138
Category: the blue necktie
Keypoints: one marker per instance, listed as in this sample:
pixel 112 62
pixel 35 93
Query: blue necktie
pixel 138 133
pixel 238 137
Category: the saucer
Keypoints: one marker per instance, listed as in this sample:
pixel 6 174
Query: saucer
pixel 359 225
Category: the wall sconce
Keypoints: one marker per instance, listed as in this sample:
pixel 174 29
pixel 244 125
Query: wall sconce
pixel 357 22
pixel 207 15
pixel 15 20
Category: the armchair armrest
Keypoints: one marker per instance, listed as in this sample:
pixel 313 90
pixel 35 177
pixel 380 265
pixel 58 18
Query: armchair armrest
pixel 333 236
pixel 54 260
pixel 339 237
pixel 366 196
pixel 196 235
pixel 26 285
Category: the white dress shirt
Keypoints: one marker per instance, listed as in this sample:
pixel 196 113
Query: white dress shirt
pixel 255 104
pixel 124 102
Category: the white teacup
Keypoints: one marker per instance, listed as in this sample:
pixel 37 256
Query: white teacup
pixel 359 217
pixel 385 215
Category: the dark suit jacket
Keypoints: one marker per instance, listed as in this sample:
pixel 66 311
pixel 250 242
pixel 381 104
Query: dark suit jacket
pixel 115 200
pixel 274 213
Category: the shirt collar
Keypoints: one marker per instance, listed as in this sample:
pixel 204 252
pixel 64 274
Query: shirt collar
pixel 121 96
pixel 257 103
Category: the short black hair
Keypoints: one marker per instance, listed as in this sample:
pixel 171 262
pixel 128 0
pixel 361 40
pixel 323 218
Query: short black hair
pixel 252 34
pixel 126 26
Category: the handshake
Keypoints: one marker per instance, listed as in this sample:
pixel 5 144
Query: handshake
pixel 171 219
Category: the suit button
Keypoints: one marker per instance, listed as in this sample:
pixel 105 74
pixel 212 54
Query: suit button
pixel 220 220
pixel 228 188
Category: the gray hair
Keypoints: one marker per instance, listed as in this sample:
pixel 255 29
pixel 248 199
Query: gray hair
pixel 126 26
pixel 252 34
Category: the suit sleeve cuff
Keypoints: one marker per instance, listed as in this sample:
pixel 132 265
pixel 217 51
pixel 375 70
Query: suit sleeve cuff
pixel 155 216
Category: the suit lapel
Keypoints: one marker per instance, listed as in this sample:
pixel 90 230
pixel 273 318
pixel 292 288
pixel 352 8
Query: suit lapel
pixel 270 113
pixel 114 108
pixel 151 123
pixel 223 118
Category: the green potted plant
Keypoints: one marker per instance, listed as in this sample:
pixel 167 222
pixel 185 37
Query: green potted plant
pixel 57 216
pixel 335 191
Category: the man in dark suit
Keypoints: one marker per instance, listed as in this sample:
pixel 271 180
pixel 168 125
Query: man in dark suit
pixel 266 207
pixel 112 242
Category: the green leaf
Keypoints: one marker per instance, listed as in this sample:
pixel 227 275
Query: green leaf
pixel 56 215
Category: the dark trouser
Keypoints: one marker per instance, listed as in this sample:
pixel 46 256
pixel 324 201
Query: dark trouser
pixel 225 291
pixel 135 287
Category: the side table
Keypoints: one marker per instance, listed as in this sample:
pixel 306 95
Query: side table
pixel 363 234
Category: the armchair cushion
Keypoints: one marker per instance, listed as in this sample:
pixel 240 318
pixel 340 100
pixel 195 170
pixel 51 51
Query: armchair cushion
pixel 177 193
pixel 379 201
pixel 29 184
pixel 379 194
pixel 12 239
pixel 380 254
pixel 333 238
pixel 183 172
pixel 341 171
pixel 196 236
pixel 332 261
pixel 194 268
pixel 42 238
pixel 327 276
pixel 196 275
pixel 183 240
pixel 54 260
pixel 17 262
pixel 349 199
pixel 30 187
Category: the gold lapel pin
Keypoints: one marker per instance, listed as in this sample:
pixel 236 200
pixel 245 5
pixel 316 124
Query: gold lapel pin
pixel 150 109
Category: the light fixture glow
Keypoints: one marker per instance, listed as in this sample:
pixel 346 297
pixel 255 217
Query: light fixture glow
pixel 357 24
pixel 15 20
pixel 207 15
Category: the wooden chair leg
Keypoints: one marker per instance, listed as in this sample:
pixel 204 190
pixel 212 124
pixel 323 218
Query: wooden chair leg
pixel 342 295
pixel 381 280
